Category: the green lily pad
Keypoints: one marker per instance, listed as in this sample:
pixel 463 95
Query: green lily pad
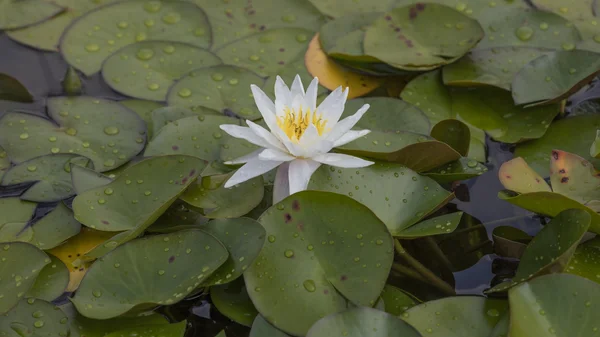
pixel 33 317
pixel 171 330
pixel 462 169
pixel 397 300
pixel 15 210
pixel 124 23
pixel 12 90
pixel 243 238
pixel 262 328
pixel 574 177
pixel 489 67
pixel 16 14
pixel 580 13
pixel 152 184
pixel 560 136
pixel 71 82
pixel 221 88
pixel 342 38
pixel 362 321
pixel 443 224
pixel 147 69
pixel 144 109
pixel 553 77
pixel 266 53
pixel 454 133
pixel 50 175
pixel 559 304
pixel 5 163
pixel 21 264
pixel 322 249
pixel 388 114
pixel 586 261
pixel 510 242
pixel 217 201
pixel 552 248
pixel 83 125
pixel 338 8
pixel 163 116
pixel 492 110
pixel 82 326
pixel 84 179
pixel 421 36
pixel 191 256
pixel 51 281
pixel 594 149
pixel 464 316
pixel 516 175
pixel 232 300
pixel 403 197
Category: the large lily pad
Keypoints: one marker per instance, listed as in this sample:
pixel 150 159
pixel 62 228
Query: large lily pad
pixel 261 328
pixel 51 281
pixel 12 90
pixel 557 305
pixel 16 13
pixel 466 316
pixel 84 179
pixel 552 77
pixel 147 69
pixel 362 321
pixel 144 109
pixel 168 267
pixel 560 136
pixel 102 130
pixel 232 301
pixel 85 47
pixel 462 169
pixel 220 88
pixel 318 256
pixel 21 264
pixel 163 116
pixel 342 38
pixel 396 194
pixel 33 317
pixel 82 326
pixel 396 301
pixel 574 177
pixel 586 260
pixel 387 114
pixel 421 36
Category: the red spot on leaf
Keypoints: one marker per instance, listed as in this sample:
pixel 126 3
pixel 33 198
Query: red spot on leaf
pixel 281 49
pixel 300 226
pixel 295 205
pixel 507 176
pixel 343 278
pixel 562 171
pixel 171 259
pixel 420 7
pixel 105 222
pixel 287 217
pixel 184 180
pixel 192 172
pixel 555 155
pixel 564 180
pixel 281 62
pixel 412 14
pixel 388 18
pixel 325 291
pixel 175 147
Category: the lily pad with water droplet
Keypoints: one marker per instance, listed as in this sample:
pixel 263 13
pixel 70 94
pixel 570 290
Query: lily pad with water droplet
pixel 49 175
pixel 261 328
pixel 150 330
pixel 51 281
pixel 163 116
pixel 144 109
pixel 17 14
pixel 232 301
pixel 516 175
pixel 553 77
pixel 454 133
pixel 397 300
pixel 84 179
pixel 21 264
pixel 580 13
pixel 12 90
pixel 443 224
pixel 574 177
pixel 342 38
pixel 168 266
pixel 147 69
pixel 561 136
pixel 463 316
pixel 551 249
pixel 33 317
pixel 421 36
pixel 403 197
pixel 586 260
pixel 15 210
pixel 102 130
pixel 462 169
pixel 339 8
pixel 92 38
pixel 221 88
pixel 322 248
pixel 510 241
pixel 362 321
pixel 557 304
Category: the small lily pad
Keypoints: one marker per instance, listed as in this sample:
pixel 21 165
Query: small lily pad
pixel 330 254
pixel 33 317
pixel 421 36
pixel 516 175
pixel 261 328
pixel 510 242
pixel 85 47
pixel 12 90
pixel 462 169
pixel 443 224
pixel 574 177
pixel 147 69
pixel 232 301
pixel 553 77
pixel 221 88
pixel 21 265
pixel 51 281
pixel 396 300
pixel 191 256
pixel 84 179
pixel 16 14
pixel 454 133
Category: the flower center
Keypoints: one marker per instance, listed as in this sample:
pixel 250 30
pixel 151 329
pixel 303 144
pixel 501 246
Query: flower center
pixel 294 123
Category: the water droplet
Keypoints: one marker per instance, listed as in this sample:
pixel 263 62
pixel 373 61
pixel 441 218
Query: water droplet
pixel 379 242
pixel 38 324
pixel 24 136
pixel 572 71
pixel 493 313
pixel 97 293
pixel 71 132
pixel 471 163
pixel 288 253
pixel 144 54
pixel 37 314
pixel 543 26
pixel 92 47
pixel 161 272
pixel 301 38
pixel 171 18
pixel 140 37
pixel 109 163
pixel 217 77
pixel 524 33
pixel 254 58
pixel 310 286
pixel 568 46
pixel 55 150
pixel 152 6
pixel 153 86
pixel 233 81
pixel 31 168
pixel 288 18
pixel 184 92
pixel 147 193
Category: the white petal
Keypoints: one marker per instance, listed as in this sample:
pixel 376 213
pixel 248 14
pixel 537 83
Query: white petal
pixel 332 106
pixel 310 136
pixel 300 172
pixel 341 160
pixel 253 168
pixel 245 133
pixel 346 124
pixel 281 187
pixel 297 87
pixel 269 154
pixel 311 94
pixel 245 159
pixel 266 135
pixel 283 97
pixel 350 136
pixel 265 106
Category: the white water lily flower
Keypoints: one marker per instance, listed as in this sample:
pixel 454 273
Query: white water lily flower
pixel 301 136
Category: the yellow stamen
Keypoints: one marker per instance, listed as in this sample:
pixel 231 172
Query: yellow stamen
pixel 294 123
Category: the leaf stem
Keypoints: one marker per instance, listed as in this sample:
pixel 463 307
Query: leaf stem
pixel 435 249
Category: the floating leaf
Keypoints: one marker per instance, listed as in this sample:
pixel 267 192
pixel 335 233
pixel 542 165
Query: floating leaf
pixel 362 321
pixel 232 301
pixel 21 265
pixel 396 300
pixel 586 261
pixel 332 75
pixel 171 330
pixel 12 90
pixel 559 304
pixel 15 210
pixel 553 77
pixel 580 13
pixel 329 253
pixel 454 133
pixel 147 69
pixel 84 179
pixel 144 109
pixel 16 14
pixel 51 281
pixel 443 224
pixel 421 36
pixel 5 163
pixel 86 126
pixel 49 174
pixel 464 316
pixel 338 8
pixel 261 328
pixel 462 169
pixel 510 242
pixel 124 23
pixel 516 175
pixel 403 197
pixel 574 177
pixel 220 88
pixel 191 256
pixel 163 116
pixel 33 317
pixel 342 38
pixel 82 326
